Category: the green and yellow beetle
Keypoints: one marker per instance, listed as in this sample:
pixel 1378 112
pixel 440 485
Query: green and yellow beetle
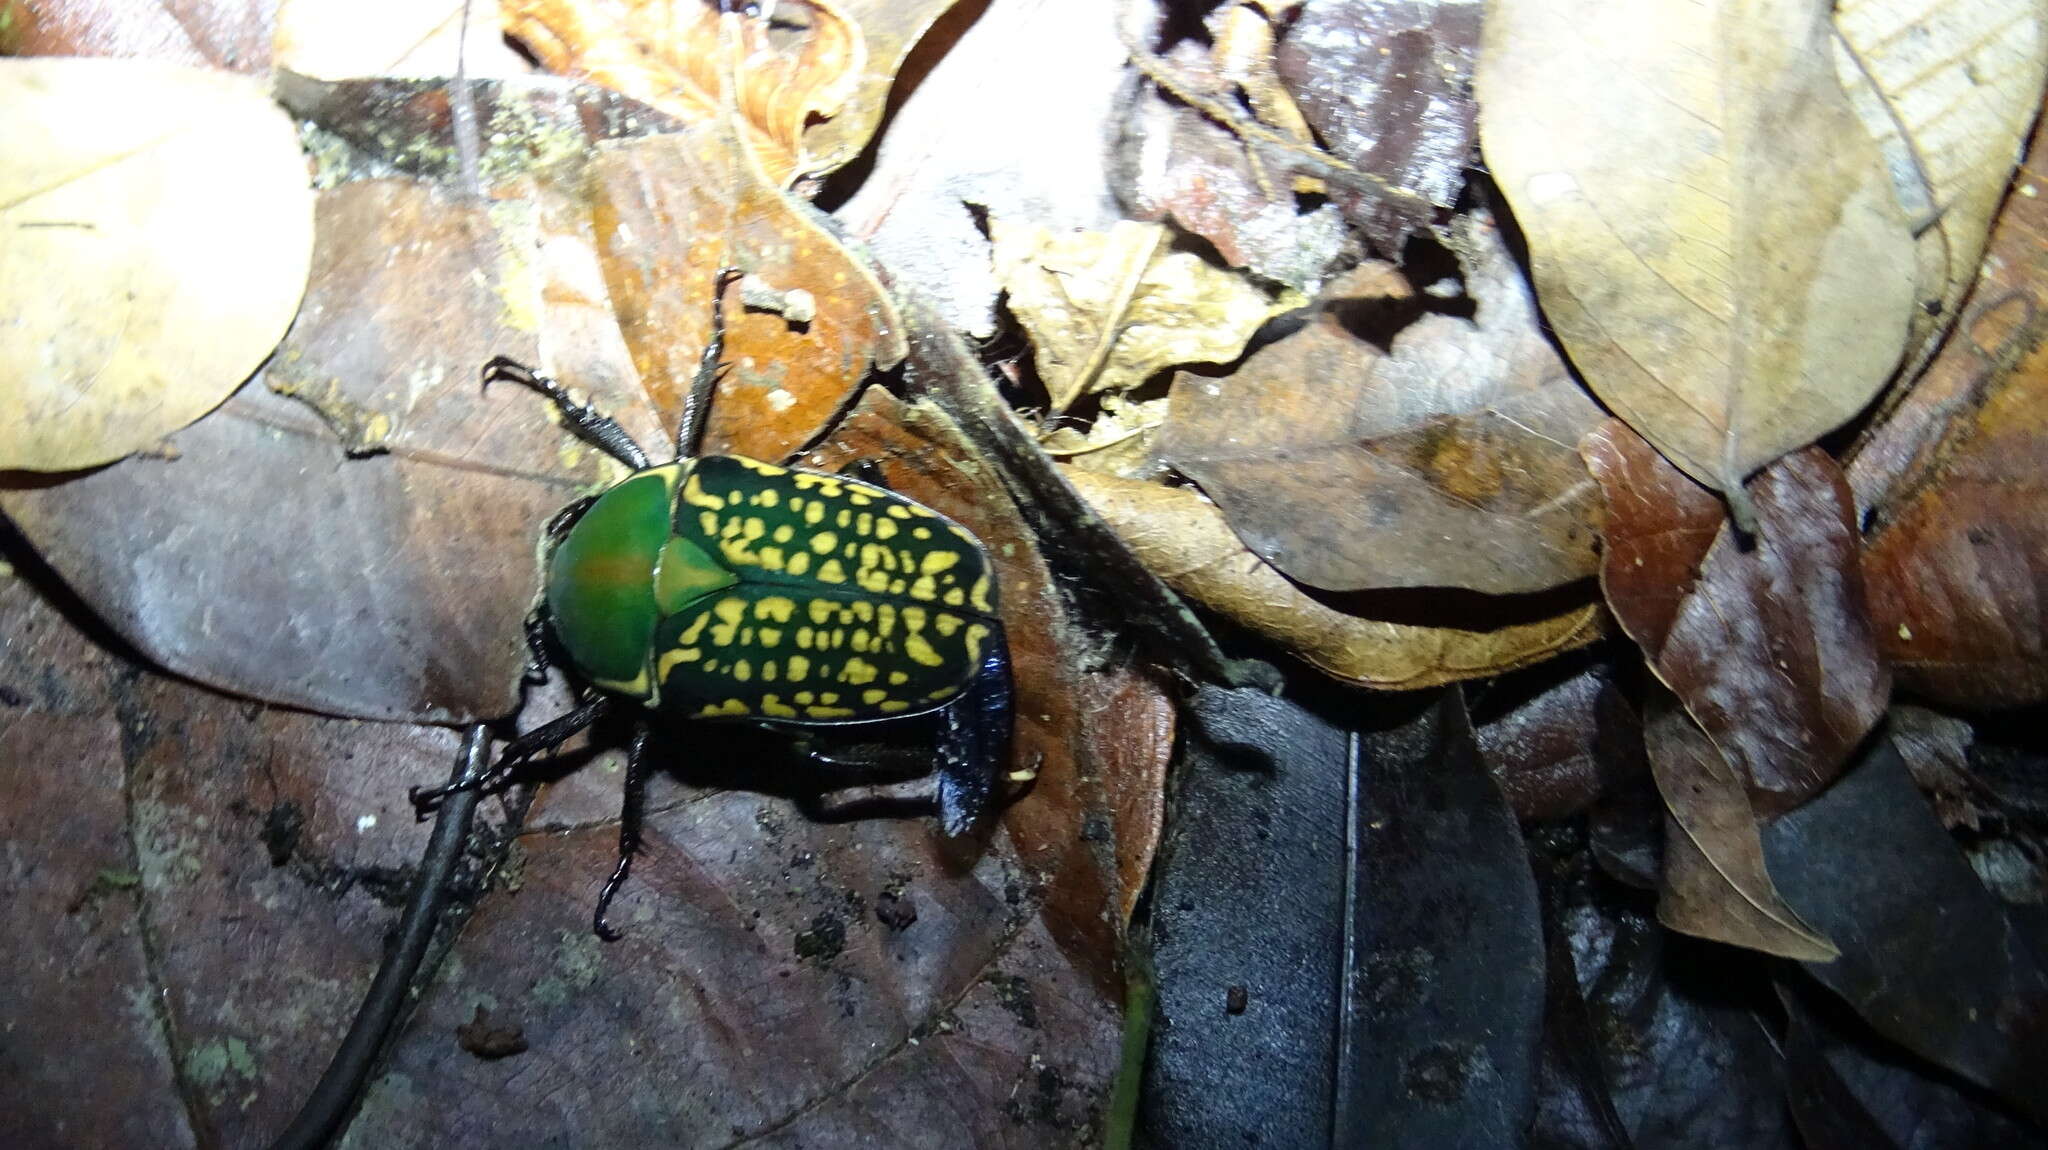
pixel 723 588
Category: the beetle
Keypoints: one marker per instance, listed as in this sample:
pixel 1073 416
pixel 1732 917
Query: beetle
pixel 718 588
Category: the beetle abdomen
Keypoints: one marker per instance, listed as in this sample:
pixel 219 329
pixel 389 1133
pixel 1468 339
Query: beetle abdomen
pixel 853 603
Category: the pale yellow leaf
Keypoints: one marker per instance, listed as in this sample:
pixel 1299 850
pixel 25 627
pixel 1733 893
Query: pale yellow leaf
pixel 1105 310
pixel 155 230
pixel 338 39
pixel 1713 232
pixel 1948 88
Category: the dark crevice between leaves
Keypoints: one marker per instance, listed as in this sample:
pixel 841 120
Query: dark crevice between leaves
pixel 135 727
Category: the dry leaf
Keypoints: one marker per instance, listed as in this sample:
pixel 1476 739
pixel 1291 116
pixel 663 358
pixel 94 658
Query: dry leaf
pixel 1449 461
pixel 1715 882
pixel 155 230
pixel 1387 84
pixel 1947 87
pixel 1713 233
pixel 1108 309
pixel 802 66
pixel 1185 541
pixel 228 34
pixel 890 29
pixel 336 39
pixel 1959 571
pixel 1768 644
pixel 672 210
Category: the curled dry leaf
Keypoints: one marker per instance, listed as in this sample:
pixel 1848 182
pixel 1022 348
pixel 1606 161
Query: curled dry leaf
pixel 670 212
pixel 1387 85
pixel 336 39
pixel 155 231
pixel 1769 646
pixel 1108 309
pixel 1713 233
pixel 1947 88
pixel 1449 461
pixel 1715 883
pixel 800 67
pixel 890 30
pixel 1185 541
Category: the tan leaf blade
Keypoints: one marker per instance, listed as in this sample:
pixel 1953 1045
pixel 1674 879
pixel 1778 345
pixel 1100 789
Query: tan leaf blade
pixel 1715 882
pixel 1947 87
pixel 155 230
pixel 1185 541
pixel 1713 234
pixel 1449 460
pixel 1108 309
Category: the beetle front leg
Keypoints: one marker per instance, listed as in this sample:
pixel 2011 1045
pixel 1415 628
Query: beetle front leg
pixel 518 752
pixel 593 425
pixel 697 407
pixel 631 815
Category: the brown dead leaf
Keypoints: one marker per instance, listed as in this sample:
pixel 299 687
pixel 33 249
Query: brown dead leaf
pixel 1450 461
pixel 890 29
pixel 1713 234
pixel 1947 90
pixel 1184 540
pixel 228 34
pixel 1959 571
pixel 1387 86
pixel 155 229
pixel 1555 751
pixel 1106 310
pixel 1184 164
pixel 1715 882
pixel 672 210
pixel 802 66
pixel 1118 442
pixel 1769 646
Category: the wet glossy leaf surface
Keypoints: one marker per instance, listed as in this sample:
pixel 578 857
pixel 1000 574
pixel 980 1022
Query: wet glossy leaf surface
pixel 1963 987
pixel 1770 647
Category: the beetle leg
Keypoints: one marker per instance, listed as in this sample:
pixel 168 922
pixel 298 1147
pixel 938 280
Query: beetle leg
pixel 537 660
pixel 518 752
pixel 587 421
pixel 697 408
pixel 974 742
pixel 630 814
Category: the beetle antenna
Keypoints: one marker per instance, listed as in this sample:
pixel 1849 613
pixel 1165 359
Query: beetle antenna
pixel 697 407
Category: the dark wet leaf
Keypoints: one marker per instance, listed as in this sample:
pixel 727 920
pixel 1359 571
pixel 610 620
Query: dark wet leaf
pixel 1453 455
pixel 1851 1090
pixel 1387 84
pixel 1769 647
pixel 1929 957
pixel 1250 894
pixel 1446 979
pixel 1555 739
